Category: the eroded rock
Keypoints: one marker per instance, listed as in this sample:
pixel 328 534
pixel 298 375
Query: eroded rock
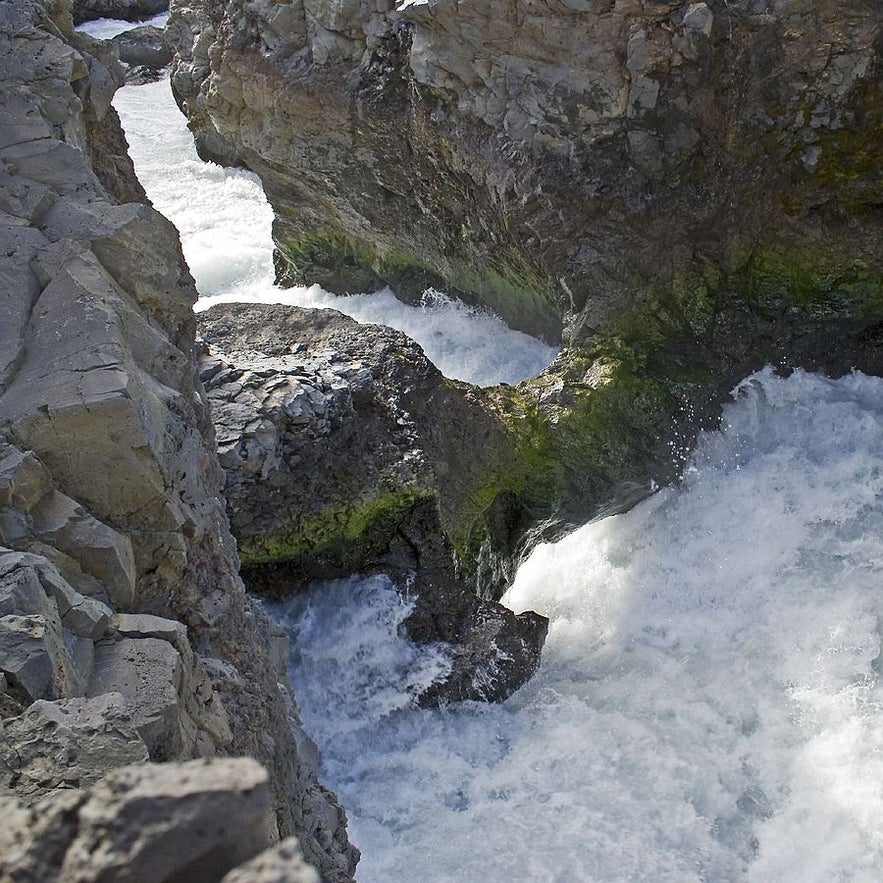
pixel 69 743
pixel 344 449
pixel 109 486
pixel 178 821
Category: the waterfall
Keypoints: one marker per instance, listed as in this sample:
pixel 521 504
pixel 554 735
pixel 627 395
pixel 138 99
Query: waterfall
pixel 708 707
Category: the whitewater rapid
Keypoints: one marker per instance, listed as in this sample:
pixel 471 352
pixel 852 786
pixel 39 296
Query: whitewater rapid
pixel 709 704
pixel 225 226
pixel 708 707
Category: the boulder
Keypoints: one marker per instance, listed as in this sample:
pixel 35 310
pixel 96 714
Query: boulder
pixel 150 674
pixel 178 821
pixel 34 659
pixel 69 743
pixel 144 46
pixel 337 461
pixel 283 863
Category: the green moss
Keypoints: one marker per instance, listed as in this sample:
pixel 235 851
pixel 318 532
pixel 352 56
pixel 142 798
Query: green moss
pixel 808 284
pixel 506 284
pixel 334 531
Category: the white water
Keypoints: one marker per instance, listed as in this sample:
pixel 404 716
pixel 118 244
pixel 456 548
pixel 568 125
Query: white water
pixel 708 707
pixel 225 222
pixel 107 28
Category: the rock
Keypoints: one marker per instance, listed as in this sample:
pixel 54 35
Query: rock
pixel 33 657
pixel 143 625
pixel 54 519
pixel 70 743
pixel 531 156
pixel 27 582
pixel 108 472
pixel 143 47
pixel 179 821
pixel 283 863
pixel 33 841
pixel 149 673
pixel 584 169
pixel 191 821
pixel 128 10
pixel 360 404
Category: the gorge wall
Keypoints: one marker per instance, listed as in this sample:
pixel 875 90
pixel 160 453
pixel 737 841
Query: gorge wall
pixel 125 633
pixel 682 192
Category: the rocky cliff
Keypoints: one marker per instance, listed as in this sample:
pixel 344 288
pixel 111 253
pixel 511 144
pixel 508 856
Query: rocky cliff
pixel 681 191
pixel 125 632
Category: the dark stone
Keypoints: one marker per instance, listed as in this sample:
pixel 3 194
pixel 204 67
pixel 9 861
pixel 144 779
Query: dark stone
pixel 144 47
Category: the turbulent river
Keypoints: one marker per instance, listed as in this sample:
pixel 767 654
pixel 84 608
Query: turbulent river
pixel 709 705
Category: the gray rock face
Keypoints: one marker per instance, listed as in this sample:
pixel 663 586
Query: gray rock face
pixel 118 574
pixel 69 743
pixel 561 161
pixel 343 448
pixel 149 673
pixel 179 821
pixel 683 191
pixel 145 51
pixel 191 821
pixel 128 10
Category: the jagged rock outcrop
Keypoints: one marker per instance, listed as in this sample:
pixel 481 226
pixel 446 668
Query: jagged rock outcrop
pixel 144 51
pixel 561 161
pixel 192 821
pixel 125 631
pixel 683 191
pixel 127 10
pixel 346 449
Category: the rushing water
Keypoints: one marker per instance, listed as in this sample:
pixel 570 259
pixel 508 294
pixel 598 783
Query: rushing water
pixel 708 706
pixel 225 222
pixel 107 28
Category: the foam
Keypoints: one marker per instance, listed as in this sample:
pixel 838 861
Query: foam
pixel 708 706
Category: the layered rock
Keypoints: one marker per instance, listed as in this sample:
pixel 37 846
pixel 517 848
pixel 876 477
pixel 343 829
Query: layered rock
pixel 345 449
pixel 561 161
pixel 685 191
pixel 125 631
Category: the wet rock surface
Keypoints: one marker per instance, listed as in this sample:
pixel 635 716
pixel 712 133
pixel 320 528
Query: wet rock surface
pixel 343 446
pixel 683 191
pixel 564 162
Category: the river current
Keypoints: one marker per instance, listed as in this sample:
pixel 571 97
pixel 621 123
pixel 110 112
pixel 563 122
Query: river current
pixel 709 705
